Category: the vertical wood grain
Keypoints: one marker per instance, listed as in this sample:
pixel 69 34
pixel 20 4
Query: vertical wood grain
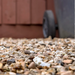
pixel 9 11
pixel 23 11
pixel 21 31
pixel 50 6
pixel 0 11
pixel 37 11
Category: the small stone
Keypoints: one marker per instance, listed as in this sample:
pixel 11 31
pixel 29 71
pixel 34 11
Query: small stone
pixel 27 72
pixel 17 49
pixel 59 68
pixel 32 65
pixel 10 73
pixel 72 67
pixel 45 73
pixel 62 69
pixel 45 54
pixel 67 61
pixel 4 61
pixel 18 66
pixel 67 67
pixel 20 71
pixel 52 70
pixel 5 68
pixel 65 57
pixel 72 55
pixel 1 65
pixel 60 62
pixel 51 61
pixel 67 73
pixel 27 52
pixel 23 65
pixel 31 56
pixel 10 61
pixel 13 70
pixel 32 52
pixel 38 61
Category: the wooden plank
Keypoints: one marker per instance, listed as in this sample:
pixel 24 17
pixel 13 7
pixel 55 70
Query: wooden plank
pixel 21 31
pixel 0 11
pixel 24 31
pixel 9 11
pixel 23 11
pixel 50 6
pixel 38 8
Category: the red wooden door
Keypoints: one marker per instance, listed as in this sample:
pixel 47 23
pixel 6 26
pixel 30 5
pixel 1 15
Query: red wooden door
pixel 38 8
pixel 23 11
pixel 9 11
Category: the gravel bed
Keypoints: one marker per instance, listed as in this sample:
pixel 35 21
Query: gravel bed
pixel 37 56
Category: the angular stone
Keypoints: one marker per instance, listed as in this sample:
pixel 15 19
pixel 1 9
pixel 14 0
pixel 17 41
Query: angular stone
pixel 17 66
pixel 10 61
pixel 72 67
pixel 5 68
pixel 10 73
pixel 23 64
pixel 32 65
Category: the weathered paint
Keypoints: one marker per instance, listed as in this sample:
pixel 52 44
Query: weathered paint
pixel 23 11
pixel 9 11
pixel 21 31
pixel 38 8
pixel 0 11
pixel 17 14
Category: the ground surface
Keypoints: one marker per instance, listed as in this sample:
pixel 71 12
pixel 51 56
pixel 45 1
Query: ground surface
pixel 37 56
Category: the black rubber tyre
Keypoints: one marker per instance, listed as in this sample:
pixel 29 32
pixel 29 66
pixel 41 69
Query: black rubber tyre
pixel 48 24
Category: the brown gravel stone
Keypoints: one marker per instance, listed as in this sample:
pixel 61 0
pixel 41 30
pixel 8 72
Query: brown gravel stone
pixel 27 52
pixel 1 65
pixel 10 73
pixel 13 70
pixel 17 66
pixel 27 72
pixel 31 56
pixel 4 61
pixel 32 65
pixel 23 64
pixel 67 73
pixel 45 73
pixel 37 56
pixel 72 67
pixel 20 71
pixel 67 61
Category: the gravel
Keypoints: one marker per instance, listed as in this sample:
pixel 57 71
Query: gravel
pixel 37 56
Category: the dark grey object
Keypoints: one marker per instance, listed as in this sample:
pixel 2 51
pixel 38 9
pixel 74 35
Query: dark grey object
pixel 48 24
pixel 10 61
pixel 65 12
